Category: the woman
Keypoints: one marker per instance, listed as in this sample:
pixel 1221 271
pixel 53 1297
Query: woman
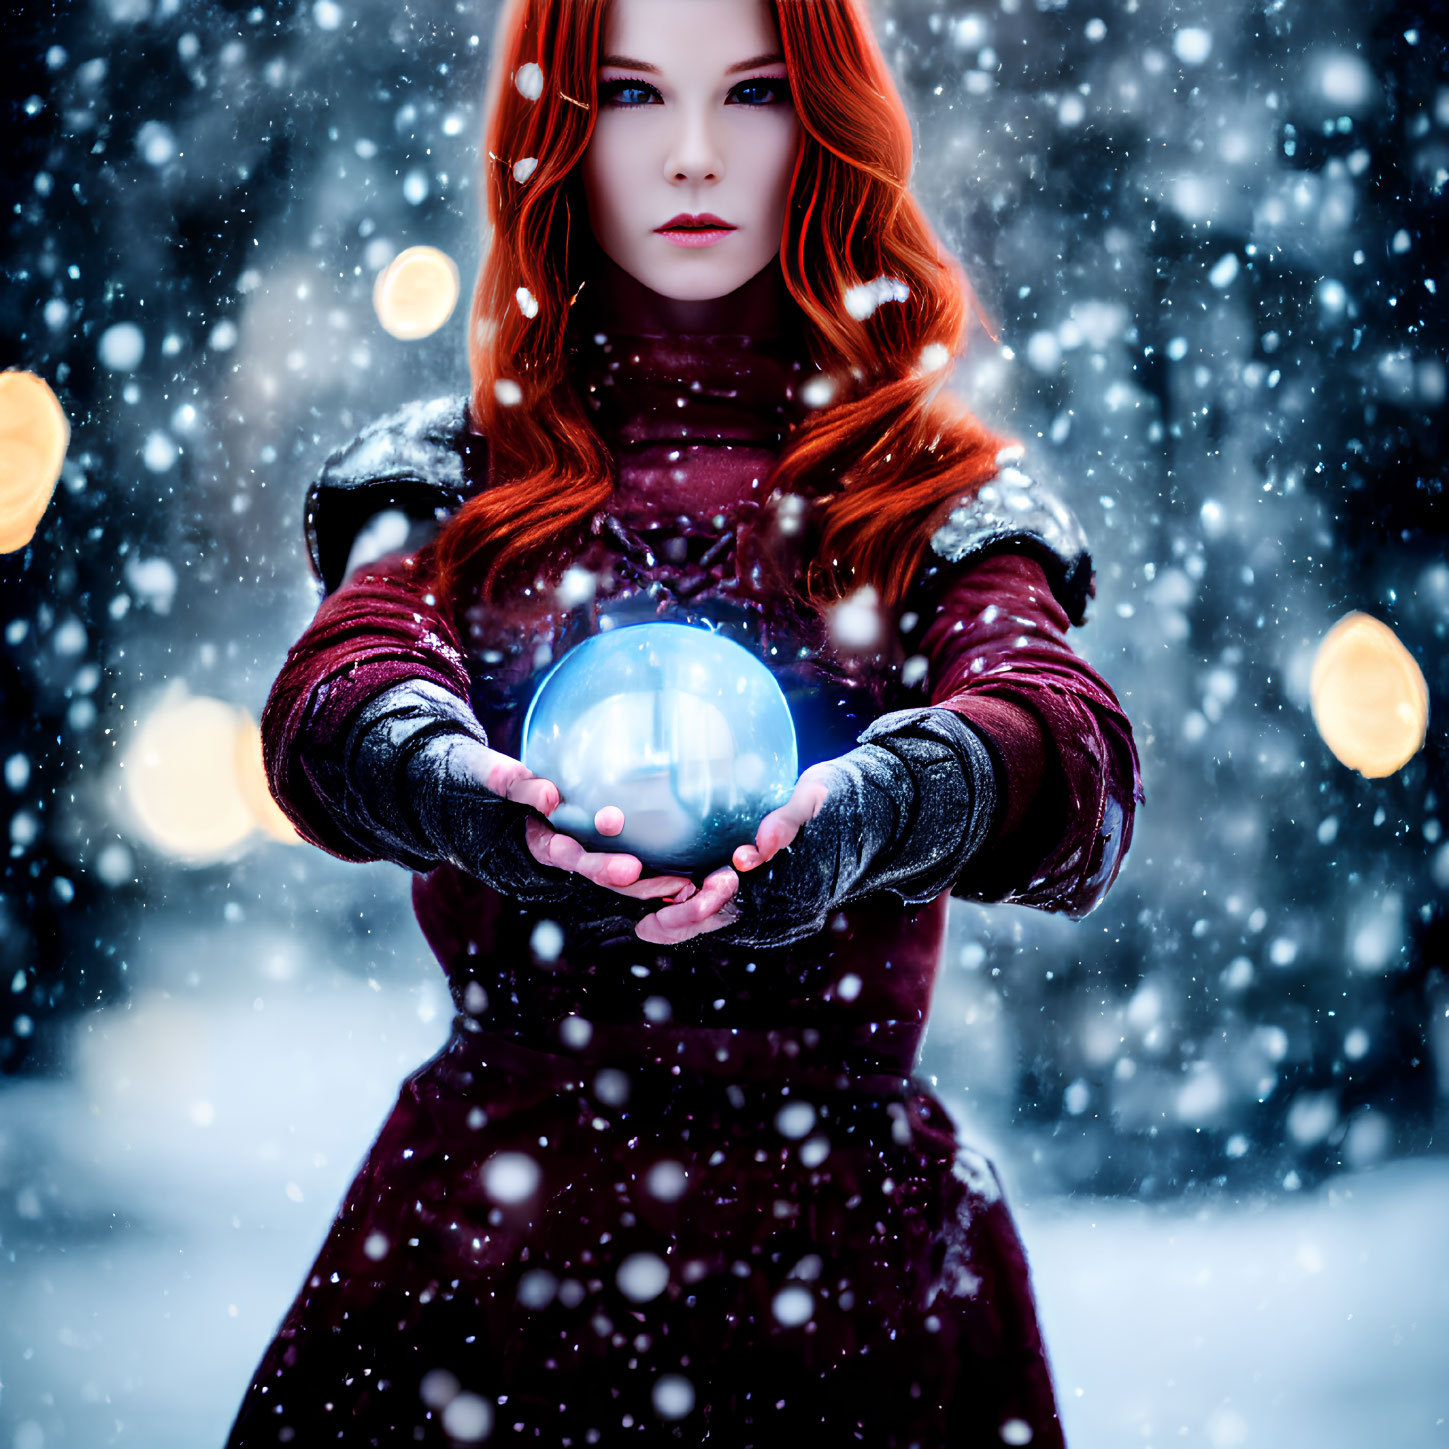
pixel 671 1176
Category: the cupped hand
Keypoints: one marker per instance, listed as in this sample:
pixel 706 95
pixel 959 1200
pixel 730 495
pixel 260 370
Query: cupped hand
pixel 780 827
pixel 615 871
pixel 710 908
pixel 715 906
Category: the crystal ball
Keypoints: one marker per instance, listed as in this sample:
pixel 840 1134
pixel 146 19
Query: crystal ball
pixel 681 728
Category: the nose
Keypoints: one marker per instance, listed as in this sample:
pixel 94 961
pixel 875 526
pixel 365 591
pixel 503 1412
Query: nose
pixel 694 152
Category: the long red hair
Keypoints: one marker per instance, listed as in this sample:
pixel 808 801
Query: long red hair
pixel 883 458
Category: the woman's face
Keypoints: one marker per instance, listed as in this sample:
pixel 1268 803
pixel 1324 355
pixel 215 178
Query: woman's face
pixel 688 169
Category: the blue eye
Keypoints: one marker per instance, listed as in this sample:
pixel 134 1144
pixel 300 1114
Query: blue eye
pixel 763 91
pixel 627 93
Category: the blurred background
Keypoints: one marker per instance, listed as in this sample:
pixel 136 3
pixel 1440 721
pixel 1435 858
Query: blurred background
pixel 1210 241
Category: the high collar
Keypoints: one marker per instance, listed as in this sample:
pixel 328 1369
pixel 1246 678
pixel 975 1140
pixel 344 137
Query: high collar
pixel 693 400
pixel 614 302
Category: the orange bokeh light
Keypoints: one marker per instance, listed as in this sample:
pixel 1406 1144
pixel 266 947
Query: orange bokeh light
pixel 1370 701
pixel 252 781
pixel 195 782
pixel 416 293
pixel 33 438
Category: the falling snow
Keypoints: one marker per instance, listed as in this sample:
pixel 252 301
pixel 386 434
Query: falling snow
pixel 1207 252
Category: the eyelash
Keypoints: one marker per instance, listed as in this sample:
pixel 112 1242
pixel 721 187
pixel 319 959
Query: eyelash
pixel 610 90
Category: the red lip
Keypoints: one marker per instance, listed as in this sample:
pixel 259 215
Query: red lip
pixel 705 221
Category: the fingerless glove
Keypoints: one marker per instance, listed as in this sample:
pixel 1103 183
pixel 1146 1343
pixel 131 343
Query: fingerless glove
pixel 407 783
pixel 905 813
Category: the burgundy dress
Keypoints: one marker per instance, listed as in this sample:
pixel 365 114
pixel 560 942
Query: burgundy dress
pixel 687 1194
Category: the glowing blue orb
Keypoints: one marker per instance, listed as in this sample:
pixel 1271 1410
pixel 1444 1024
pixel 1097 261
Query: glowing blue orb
pixel 684 730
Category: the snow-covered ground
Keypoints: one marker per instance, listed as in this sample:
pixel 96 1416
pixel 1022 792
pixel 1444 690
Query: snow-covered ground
pixel 1317 1321
pixel 160 1205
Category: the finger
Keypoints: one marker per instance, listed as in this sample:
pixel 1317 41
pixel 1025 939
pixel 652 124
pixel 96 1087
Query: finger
pixel 780 827
pixel 649 929
pixel 678 921
pixel 775 832
pixel 717 887
pixel 701 912
pixel 543 795
pixel 609 820
pixel 551 847
pixel 614 872
pixel 602 867
pixel 655 886
pixel 513 780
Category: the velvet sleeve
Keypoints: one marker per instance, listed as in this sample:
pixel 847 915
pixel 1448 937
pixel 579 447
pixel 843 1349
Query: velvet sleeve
pixel 997 655
pixel 383 627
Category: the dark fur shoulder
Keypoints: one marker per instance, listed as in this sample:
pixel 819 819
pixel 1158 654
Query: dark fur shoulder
pixel 422 461
pixel 1013 511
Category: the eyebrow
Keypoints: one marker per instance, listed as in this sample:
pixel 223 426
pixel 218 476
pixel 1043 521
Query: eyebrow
pixel 626 62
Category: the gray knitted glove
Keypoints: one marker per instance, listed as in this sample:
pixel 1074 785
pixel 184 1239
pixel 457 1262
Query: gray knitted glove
pixel 905 813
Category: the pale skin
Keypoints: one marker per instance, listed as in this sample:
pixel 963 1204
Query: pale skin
pixel 695 118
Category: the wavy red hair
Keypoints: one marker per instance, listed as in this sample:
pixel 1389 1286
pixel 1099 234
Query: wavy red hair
pixel 884 458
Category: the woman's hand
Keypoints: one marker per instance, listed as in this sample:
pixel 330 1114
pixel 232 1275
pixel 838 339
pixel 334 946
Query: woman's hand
pixel 710 908
pixel 714 906
pixel 502 775
pixel 780 827
pixel 509 858
pixel 615 871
